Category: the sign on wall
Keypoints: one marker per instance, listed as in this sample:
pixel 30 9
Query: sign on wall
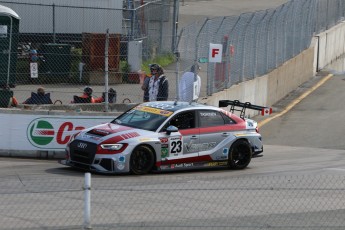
pixel 47 133
pixel 215 53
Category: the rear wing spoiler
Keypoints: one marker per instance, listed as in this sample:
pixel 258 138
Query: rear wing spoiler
pixel 246 105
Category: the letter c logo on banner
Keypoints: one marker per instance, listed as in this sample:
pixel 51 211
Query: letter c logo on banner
pixel 215 53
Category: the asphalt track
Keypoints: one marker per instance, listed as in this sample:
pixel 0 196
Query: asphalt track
pixel 295 101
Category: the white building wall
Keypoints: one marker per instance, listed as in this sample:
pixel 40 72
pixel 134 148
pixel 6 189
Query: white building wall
pixel 38 18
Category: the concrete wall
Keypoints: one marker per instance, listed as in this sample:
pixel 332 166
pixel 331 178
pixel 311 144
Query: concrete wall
pixel 331 45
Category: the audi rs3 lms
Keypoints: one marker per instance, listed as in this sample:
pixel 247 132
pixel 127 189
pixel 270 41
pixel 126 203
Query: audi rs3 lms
pixel 168 135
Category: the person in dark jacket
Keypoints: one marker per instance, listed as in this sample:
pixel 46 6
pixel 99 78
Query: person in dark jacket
pixel 86 97
pixel 7 99
pixel 111 96
pixel 158 86
pixel 39 98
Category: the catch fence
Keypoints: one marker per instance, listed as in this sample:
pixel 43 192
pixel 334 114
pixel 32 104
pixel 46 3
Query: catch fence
pixel 255 43
pixel 176 202
pixel 70 43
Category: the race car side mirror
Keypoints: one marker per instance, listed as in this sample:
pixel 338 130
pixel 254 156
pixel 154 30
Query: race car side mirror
pixel 171 129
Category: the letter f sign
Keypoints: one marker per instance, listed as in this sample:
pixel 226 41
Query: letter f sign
pixel 215 53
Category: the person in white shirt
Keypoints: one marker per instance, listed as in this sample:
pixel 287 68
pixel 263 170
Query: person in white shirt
pixel 190 84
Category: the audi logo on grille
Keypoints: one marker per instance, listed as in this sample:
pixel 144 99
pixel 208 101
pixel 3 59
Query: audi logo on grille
pixel 82 145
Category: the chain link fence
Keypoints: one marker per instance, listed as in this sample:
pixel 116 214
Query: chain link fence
pixel 62 47
pixel 206 202
pixel 255 43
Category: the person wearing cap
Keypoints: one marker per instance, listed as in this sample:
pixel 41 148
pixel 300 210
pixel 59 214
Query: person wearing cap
pixel 158 85
pixel 39 98
pixel 87 94
pixel 190 84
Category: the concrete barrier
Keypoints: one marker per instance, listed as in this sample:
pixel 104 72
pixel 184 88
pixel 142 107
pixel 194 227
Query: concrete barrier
pixel 331 45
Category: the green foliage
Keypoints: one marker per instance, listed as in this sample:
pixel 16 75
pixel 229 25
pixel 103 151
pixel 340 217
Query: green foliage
pixel 125 68
pixel 162 60
pixel 76 54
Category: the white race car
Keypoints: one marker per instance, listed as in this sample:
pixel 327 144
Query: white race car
pixel 168 135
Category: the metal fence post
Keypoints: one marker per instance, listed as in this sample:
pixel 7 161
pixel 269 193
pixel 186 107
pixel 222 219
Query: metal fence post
pixel 54 33
pixel 177 67
pixel 196 50
pixel 175 24
pixel 87 201
pixel 106 70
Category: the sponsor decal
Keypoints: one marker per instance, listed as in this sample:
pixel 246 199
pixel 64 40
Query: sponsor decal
pixel 208 114
pixel 164 152
pixel 176 145
pixel 183 165
pixel 120 166
pixel 191 147
pixel 55 133
pixel 240 134
pixel 164 140
pixel 41 132
pixel 122 159
pixel 154 111
pixel 213 164
pixel 146 139
pixel 165 167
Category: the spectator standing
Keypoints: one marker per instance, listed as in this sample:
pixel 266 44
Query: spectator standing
pixel 145 87
pixel 39 98
pixel 158 87
pixel 190 84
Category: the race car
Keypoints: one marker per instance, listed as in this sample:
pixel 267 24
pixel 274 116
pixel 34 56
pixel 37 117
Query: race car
pixel 168 135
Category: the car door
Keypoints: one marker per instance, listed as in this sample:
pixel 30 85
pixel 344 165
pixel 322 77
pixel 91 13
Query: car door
pixel 214 129
pixel 185 142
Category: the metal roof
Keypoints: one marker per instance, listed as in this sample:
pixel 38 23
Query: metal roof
pixel 8 11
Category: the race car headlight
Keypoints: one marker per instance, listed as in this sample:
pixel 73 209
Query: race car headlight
pixel 111 146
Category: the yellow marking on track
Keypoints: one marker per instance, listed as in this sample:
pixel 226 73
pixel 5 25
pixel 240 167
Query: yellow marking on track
pixel 296 101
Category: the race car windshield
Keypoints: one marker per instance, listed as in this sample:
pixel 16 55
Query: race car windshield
pixel 142 119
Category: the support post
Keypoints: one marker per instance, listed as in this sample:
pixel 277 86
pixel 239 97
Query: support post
pixel 87 200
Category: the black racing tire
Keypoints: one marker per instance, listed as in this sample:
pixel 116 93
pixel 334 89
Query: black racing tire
pixel 240 154
pixel 142 160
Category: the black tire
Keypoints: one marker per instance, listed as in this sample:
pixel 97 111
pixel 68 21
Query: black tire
pixel 240 155
pixel 142 160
